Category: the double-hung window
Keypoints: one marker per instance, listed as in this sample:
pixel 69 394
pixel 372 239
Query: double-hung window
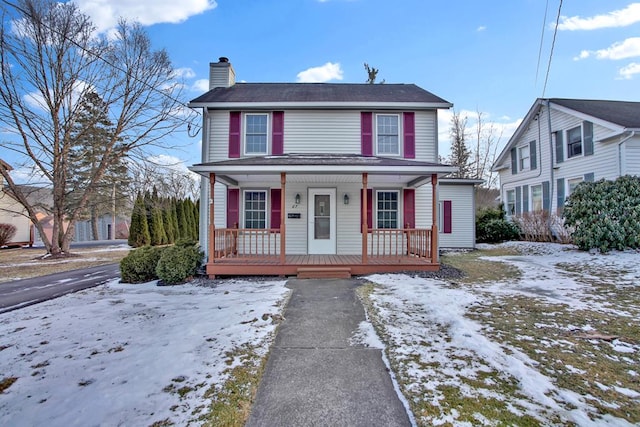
pixel 524 158
pixel 255 209
pixel 573 183
pixel 387 134
pixel 255 133
pixel 574 142
pixel 511 202
pixel 536 198
pixel 387 209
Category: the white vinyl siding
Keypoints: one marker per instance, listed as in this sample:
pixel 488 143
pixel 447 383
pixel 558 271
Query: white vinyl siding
pixel 462 216
pixel 218 135
pixel 319 131
pixel 426 133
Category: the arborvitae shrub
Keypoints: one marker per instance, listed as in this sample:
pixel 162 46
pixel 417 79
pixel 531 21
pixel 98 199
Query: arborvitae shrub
pixel 139 265
pixel 492 226
pixel 605 215
pixel 179 262
pixel 7 231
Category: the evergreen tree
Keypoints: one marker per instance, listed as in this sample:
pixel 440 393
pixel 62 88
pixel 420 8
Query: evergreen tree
pixel 183 224
pixel 139 230
pixel 167 221
pixel 156 227
pixel 174 219
pixel 460 153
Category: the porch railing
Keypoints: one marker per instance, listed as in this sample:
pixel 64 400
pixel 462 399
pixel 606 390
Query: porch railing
pixel 246 242
pixel 399 242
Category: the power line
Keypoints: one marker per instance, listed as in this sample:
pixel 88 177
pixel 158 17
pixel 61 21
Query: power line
pixel 544 25
pixel 553 43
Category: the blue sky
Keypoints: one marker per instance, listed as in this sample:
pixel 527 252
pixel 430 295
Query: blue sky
pixel 480 55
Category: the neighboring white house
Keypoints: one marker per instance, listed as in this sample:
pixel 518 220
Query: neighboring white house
pixel 562 142
pixel 12 212
pixel 294 172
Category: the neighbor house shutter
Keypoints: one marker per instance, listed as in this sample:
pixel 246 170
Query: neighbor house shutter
pixel 589 177
pixel 277 133
pixel 369 208
pixel 514 161
pixel 533 153
pixel 234 134
pixel 546 200
pixel 518 200
pixel 525 198
pixel 233 207
pixel 587 130
pixel 409 130
pixel 275 207
pixel 409 208
pixel 559 147
pixel 560 193
pixel 366 133
pixel 446 216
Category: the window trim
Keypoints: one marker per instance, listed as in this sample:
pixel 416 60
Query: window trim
pixel 521 167
pixel 511 211
pixel 398 135
pixel 244 134
pixel 398 208
pixel 266 207
pixel 569 144
pixel 533 200
pixel 568 192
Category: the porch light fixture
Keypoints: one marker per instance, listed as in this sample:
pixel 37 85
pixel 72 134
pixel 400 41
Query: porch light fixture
pixel 345 199
pixel 297 199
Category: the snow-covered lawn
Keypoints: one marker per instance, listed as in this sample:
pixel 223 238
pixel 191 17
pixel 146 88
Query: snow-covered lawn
pixel 523 350
pixel 129 355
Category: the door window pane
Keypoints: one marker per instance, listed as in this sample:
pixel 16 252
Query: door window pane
pixel 322 217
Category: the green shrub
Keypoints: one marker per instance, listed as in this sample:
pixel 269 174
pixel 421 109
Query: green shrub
pixel 605 215
pixel 179 262
pixel 492 226
pixel 140 264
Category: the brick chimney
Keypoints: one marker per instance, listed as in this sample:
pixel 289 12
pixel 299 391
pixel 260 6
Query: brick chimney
pixel 221 74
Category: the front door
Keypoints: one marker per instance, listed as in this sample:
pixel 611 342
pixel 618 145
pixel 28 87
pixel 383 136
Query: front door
pixel 322 221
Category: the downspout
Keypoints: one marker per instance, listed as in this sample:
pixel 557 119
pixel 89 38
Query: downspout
pixel 631 135
pixel 551 159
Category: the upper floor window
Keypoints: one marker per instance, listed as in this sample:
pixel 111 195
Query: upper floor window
pixel 387 137
pixel 574 142
pixel 255 134
pixel 255 209
pixel 536 198
pixel 573 183
pixel 511 202
pixel 524 158
pixel 387 212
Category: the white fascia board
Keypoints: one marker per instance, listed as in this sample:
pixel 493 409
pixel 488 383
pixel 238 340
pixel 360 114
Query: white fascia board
pixel 522 127
pixel 322 105
pixel 322 169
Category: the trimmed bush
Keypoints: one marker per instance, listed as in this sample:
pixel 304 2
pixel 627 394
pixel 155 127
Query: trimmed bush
pixel 139 265
pixel 7 231
pixel 492 226
pixel 178 263
pixel 605 215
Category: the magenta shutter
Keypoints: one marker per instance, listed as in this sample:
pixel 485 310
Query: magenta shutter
pixel 409 208
pixel 277 133
pixel 275 207
pixel 366 132
pixel 234 134
pixel 233 207
pixel 409 130
pixel 446 216
pixel 369 208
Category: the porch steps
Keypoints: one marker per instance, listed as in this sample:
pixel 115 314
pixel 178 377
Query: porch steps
pixel 324 272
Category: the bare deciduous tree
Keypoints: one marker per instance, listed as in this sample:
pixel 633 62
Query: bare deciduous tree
pixel 51 57
pixel 488 138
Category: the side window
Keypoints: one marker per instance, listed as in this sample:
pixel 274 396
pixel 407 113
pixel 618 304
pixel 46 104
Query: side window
pixel 574 142
pixel 573 183
pixel 524 158
pixel 511 202
pixel 255 133
pixel 536 198
pixel 387 209
pixel 387 134
pixel 255 209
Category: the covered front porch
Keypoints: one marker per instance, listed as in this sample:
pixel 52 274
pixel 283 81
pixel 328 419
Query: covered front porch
pixel 321 224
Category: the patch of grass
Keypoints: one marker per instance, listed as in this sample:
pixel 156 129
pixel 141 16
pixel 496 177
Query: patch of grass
pixel 478 270
pixel 7 382
pixel 231 402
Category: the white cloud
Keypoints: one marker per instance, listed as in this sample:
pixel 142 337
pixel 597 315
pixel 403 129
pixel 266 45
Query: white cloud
pixel 617 18
pixel 325 73
pixel 105 13
pixel 481 28
pixel 201 85
pixel 628 48
pixel 184 72
pixel 629 71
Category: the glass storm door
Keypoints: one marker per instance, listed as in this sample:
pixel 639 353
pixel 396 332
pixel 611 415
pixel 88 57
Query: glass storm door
pixel 322 221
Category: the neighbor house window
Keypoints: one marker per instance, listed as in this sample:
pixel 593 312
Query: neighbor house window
pixel 387 134
pixel 255 134
pixel 524 161
pixel 255 209
pixel 573 183
pixel 536 198
pixel 574 142
pixel 511 202
pixel 387 209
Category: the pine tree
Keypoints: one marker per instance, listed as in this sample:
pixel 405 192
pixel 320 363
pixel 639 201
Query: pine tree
pixel 167 221
pixel 139 230
pixel 460 153
pixel 183 224
pixel 156 227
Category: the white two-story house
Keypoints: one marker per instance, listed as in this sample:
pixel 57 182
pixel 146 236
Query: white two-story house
pixel 325 179
pixel 562 142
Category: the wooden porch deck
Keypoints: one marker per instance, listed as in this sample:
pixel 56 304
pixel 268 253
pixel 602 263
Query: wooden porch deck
pixel 316 265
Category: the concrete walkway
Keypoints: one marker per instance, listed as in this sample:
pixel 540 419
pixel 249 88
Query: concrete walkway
pixel 314 377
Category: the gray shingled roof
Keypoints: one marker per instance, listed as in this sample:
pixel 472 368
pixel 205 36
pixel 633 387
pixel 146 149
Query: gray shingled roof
pixel 623 113
pixel 319 92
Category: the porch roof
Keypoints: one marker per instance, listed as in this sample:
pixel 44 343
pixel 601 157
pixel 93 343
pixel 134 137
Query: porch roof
pixel 413 172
